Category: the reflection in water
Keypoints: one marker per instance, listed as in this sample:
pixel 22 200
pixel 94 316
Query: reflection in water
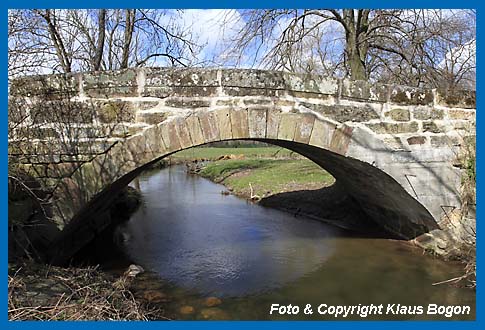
pixel 194 236
pixel 206 243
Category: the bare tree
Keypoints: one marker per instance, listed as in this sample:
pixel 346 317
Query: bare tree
pixel 52 40
pixel 404 46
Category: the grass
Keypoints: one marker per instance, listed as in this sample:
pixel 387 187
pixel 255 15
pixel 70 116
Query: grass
pixel 213 153
pixel 267 176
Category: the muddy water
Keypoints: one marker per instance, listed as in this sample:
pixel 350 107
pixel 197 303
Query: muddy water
pixel 198 243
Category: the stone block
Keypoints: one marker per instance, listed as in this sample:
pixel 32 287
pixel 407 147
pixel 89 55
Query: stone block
pixel 115 111
pixel 183 133
pixel 257 101
pixel 244 91
pixel 184 77
pixel 135 128
pixel 195 130
pixel 363 90
pixel 308 95
pixel 468 126
pixel 258 79
pixel 287 127
pixel 456 98
pixel 257 123
pixel 344 113
pixel 273 119
pixel 411 96
pixel 394 142
pixel 427 113
pixel 62 112
pixel 38 132
pixel 170 136
pixel 304 128
pixel 146 105
pixel 394 128
pixel 461 115
pixel 46 87
pixel 239 124
pixel 151 117
pixel 431 126
pixel 341 139
pixel 284 103
pixel 186 103
pixel 444 141
pixel 416 140
pixel 398 114
pixel 160 92
pixel 153 141
pixel 229 102
pixel 310 84
pixel 209 125
pixel 42 170
pixel 74 158
pixel 110 84
pixel 195 91
pixel 224 122
pixel 132 152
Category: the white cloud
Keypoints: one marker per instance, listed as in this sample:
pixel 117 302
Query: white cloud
pixel 211 28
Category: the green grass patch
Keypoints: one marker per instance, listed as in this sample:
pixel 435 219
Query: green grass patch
pixel 213 153
pixel 267 176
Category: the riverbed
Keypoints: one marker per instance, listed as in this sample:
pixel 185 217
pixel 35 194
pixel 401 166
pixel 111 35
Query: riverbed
pixel 197 243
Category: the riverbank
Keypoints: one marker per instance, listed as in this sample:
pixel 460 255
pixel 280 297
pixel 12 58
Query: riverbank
pixel 40 292
pixel 257 178
pixel 254 172
pixel 277 178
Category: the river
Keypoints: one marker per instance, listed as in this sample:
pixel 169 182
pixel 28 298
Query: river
pixel 196 242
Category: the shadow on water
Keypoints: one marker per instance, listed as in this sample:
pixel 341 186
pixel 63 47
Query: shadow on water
pixel 197 242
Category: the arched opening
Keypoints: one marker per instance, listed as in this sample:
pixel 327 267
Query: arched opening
pixel 375 193
pixel 212 256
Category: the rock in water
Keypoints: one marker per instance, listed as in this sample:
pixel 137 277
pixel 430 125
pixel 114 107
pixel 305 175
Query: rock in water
pixel 154 296
pixel 134 270
pixel 213 314
pixel 186 310
pixel 212 301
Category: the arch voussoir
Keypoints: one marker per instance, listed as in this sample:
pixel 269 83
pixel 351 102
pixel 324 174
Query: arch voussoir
pixel 209 125
pixel 287 126
pixel 322 133
pixel 304 128
pixel 257 122
pixel 240 124
pixel 223 117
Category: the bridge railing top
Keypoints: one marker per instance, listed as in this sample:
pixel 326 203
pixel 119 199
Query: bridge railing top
pixel 161 82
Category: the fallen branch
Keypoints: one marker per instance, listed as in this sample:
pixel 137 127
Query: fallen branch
pixel 252 195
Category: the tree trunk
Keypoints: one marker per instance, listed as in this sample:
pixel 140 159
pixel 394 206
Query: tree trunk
pixel 129 28
pixel 98 56
pixel 357 66
pixel 356 53
pixel 57 41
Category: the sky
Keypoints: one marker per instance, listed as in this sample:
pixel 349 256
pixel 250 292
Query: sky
pixel 213 29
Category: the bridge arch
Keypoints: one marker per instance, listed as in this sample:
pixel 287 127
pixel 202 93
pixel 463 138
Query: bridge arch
pixel 392 148
pixel 327 143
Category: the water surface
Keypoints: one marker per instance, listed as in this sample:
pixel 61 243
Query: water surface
pixel 204 243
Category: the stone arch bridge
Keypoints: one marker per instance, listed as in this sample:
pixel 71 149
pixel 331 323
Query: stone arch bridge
pixel 393 149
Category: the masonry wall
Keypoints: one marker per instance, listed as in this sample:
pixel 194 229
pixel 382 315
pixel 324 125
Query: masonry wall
pixel 414 135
